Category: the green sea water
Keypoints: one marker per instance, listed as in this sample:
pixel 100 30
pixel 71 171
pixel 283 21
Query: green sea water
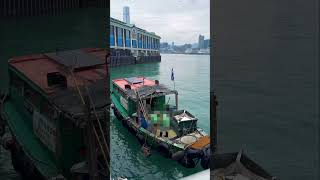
pixel 191 74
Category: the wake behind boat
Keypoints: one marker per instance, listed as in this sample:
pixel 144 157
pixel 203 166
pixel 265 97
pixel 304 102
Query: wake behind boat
pixel 142 105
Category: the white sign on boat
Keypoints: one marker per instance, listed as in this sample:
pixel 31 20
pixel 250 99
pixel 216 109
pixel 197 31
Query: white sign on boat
pixel 124 102
pixel 45 130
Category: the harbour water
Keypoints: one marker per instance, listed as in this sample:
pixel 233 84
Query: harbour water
pixel 192 82
pixel 266 73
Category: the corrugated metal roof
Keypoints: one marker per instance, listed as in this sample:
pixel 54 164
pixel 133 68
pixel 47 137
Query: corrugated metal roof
pixel 76 59
pixel 36 67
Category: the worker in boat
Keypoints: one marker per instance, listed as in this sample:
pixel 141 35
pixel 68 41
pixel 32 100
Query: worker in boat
pixel 143 121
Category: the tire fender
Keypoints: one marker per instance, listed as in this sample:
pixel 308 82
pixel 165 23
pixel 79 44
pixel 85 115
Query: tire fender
pixel 164 150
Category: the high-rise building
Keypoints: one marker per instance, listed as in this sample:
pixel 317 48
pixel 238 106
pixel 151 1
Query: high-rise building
pixel 126 15
pixel 206 44
pixel 201 42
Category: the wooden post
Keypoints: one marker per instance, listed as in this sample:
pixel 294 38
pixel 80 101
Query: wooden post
pixel 22 7
pixel 177 101
pixel 50 7
pixel 37 7
pixel 31 7
pixel 13 7
pixel 18 8
pixel 213 113
pixel 54 6
pixel 91 146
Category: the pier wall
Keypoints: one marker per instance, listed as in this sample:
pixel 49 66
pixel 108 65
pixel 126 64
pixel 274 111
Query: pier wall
pixel 122 60
pixel 148 59
pixel 122 57
pixel 42 7
pixel 131 60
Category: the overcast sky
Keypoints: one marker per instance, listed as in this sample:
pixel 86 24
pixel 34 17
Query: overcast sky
pixel 180 21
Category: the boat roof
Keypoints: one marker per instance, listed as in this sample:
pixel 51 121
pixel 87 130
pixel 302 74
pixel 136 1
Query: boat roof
pixel 134 82
pixel 81 67
pixel 143 86
pixel 36 67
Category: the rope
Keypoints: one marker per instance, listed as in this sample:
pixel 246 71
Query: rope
pixel 144 113
pixel 95 112
pixel 78 89
pixel 95 132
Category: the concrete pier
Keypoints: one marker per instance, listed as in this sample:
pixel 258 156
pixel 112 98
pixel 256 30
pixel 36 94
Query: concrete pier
pixel 131 60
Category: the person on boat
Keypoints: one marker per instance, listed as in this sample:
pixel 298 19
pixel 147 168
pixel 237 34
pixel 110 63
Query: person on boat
pixel 143 121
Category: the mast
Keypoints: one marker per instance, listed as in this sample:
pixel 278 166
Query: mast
pixel 107 115
pixel 176 95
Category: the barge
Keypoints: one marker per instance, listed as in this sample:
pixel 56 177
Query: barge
pixel 142 105
pixel 55 110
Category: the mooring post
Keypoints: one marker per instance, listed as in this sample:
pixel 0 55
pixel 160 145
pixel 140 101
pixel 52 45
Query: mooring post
pixel 213 112
pixel 91 145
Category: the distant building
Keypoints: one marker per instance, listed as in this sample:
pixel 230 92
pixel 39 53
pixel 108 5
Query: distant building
pixel 172 46
pixel 206 44
pixel 129 37
pixel 188 51
pixel 164 45
pixel 126 14
pixel 194 45
pixel 201 42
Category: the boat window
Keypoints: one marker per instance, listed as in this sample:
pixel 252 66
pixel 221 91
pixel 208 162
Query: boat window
pixel 16 83
pixel 121 93
pixel 48 111
pixel 31 98
pixel 170 101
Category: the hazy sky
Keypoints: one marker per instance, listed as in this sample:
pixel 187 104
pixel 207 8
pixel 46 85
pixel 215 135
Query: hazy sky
pixel 180 21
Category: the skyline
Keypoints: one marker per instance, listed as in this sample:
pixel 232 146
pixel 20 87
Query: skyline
pixel 174 21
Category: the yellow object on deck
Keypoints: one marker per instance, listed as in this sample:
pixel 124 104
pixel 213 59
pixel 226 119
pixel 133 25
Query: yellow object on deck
pixel 201 142
pixel 171 133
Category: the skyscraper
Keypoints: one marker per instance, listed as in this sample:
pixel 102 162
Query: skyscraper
pixel 126 14
pixel 201 42
pixel 206 44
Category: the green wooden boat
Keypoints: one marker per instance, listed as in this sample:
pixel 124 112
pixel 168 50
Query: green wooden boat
pixel 142 105
pixel 56 113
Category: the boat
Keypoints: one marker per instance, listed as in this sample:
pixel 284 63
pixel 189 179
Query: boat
pixel 56 112
pixel 142 105
pixel 237 166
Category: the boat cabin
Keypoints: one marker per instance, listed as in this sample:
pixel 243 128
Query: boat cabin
pixel 47 93
pixel 138 94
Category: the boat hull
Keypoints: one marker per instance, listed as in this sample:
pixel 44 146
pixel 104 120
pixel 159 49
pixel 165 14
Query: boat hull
pixel 182 155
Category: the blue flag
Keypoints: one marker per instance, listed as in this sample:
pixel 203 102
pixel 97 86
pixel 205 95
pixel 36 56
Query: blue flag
pixel 172 75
